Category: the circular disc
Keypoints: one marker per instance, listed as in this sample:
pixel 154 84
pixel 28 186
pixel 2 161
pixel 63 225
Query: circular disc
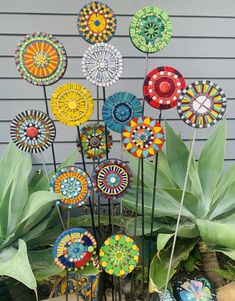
pixel 102 64
pixel 119 255
pixel 150 29
pixel 143 137
pixel 162 87
pixel 93 141
pixel 119 109
pixel 97 22
pixel 74 248
pixel 40 59
pixel 72 104
pixel 74 184
pixel 32 131
pixel 202 104
pixel 112 178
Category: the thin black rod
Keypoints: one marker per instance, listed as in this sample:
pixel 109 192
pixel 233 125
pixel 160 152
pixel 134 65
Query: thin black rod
pixel 98 121
pixel 90 202
pixel 47 110
pixel 143 234
pixel 153 201
pixel 119 289
pixel 106 130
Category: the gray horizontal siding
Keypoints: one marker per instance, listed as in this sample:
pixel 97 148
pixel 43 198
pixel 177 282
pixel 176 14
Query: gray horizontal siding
pixel 202 47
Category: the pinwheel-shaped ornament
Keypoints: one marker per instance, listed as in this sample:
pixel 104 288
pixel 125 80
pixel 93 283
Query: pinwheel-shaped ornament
pixel 74 184
pixel 119 109
pixel 143 137
pixel 119 255
pixel 72 104
pixel 163 86
pixel 74 249
pixel 150 29
pixel 96 23
pixel 32 131
pixel 112 178
pixel 102 64
pixel 93 139
pixel 202 104
pixel 40 59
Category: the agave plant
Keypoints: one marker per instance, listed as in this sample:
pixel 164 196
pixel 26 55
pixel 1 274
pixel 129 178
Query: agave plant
pixel 208 215
pixel 24 207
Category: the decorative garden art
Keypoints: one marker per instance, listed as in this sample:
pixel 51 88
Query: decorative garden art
pixel 116 255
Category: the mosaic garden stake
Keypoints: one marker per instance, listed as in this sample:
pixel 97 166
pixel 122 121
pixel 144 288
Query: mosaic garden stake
pixel 41 60
pixel 201 105
pixel 162 88
pixel 96 23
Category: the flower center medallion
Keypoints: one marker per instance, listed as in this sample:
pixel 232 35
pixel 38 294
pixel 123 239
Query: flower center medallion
pixel 32 132
pixel 202 104
pixel 41 59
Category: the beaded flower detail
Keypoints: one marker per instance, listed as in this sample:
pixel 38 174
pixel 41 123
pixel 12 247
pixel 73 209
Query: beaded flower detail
pixel 150 29
pixel 93 139
pixel 73 184
pixel 202 104
pixel 96 23
pixel 40 59
pixel 102 64
pixel 143 137
pixel 32 131
pixel 112 178
pixel 162 87
pixel 72 104
pixel 119 109
pixel 74 249
pixel 194 289
pixel 119 255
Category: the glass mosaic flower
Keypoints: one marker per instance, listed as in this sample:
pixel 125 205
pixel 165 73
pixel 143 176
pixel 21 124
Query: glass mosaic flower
pixel 32 131
pixel 40 59
pixel 202 104
pixel 87 286
pixel 194 289
pixel 72 104
pixel 73 184
pixel 143 137
pixel 93 141
pixel 97 23
pixel 119 255
pixel 119 109
pixel 162 87
pixel 74 249
pixel 150 29
pixel 102 64
pixel 112 178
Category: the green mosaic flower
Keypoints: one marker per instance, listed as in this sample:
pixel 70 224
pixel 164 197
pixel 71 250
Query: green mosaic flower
pixel 150 29
pixel 119 255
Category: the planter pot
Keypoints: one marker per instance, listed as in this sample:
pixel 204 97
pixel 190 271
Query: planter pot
pixel 227 292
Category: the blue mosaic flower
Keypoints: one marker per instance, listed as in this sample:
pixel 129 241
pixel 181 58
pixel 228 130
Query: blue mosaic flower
pixel 119 109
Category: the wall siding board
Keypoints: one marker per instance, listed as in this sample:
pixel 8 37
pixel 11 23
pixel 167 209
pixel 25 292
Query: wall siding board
pixel 202 47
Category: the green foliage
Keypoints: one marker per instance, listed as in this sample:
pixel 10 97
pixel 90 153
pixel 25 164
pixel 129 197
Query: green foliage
pixel 228 272
pixel 209 208
pixel 24 207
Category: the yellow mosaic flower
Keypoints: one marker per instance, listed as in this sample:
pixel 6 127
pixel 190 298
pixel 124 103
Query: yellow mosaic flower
pixel 72 104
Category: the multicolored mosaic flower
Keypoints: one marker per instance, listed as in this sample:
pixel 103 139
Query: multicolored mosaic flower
pixel 150 29
pixel 143 137
pixel 74 249
pixel 202 104
pixel 40 59
pixel 73 184
pixel 72 104
pixel 93 139
pixel 112 178
pixel 119 109
pixel 32 131
pixel 119 255
pixel 102 64
pixel 97 22
pixel 194 289
pixel 87 286
pixel 162 87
